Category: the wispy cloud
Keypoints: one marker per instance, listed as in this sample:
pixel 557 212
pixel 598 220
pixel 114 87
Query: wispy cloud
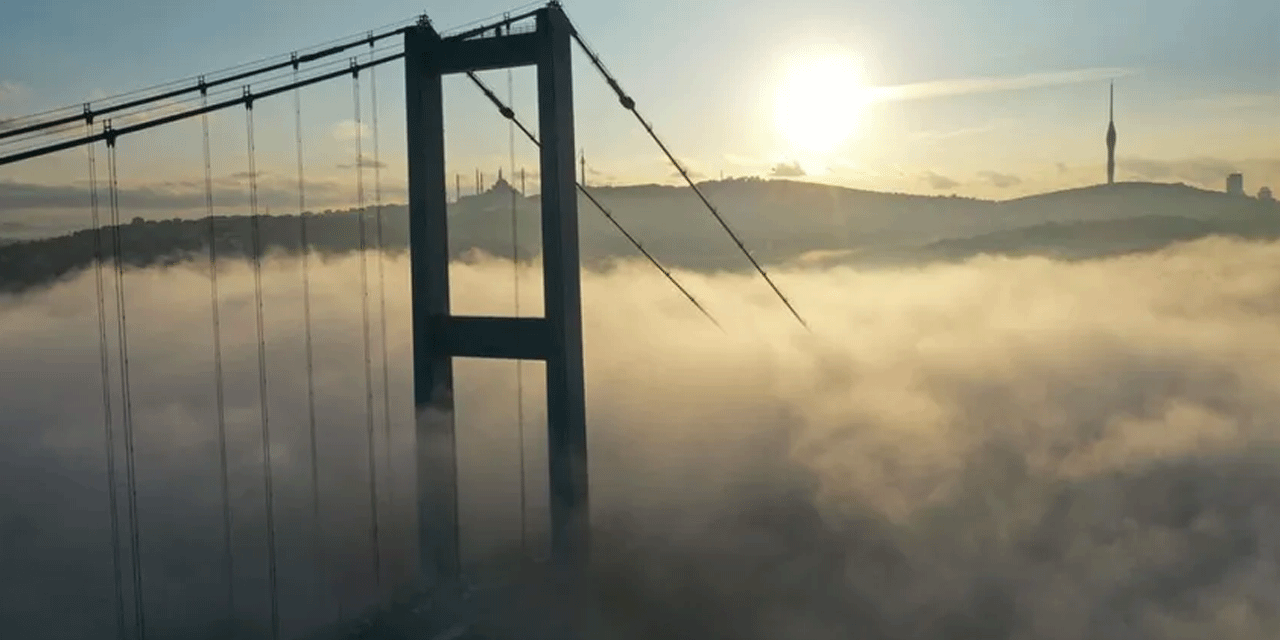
pixel 10 91
pixel 1203 171
pixel 746 161
pixel 366 162
pixel 995 84
pixel 787 170
pixel 748 164
pixel 697 170
pixel 1000 180
pixel 947 134
pixel 939 181
pixel 1234 101
pixel 347 130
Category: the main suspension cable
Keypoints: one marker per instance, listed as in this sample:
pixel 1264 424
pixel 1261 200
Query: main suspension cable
pixel 29 152
pixel 267 479
pixel 388 469
pixel 174 89
pixel 111 105
pixel 104 357
pixel 126 394
pixel 127 114
pixel 515 281
pixel 55 120
pixel 317 540
pixel 510 115
pixel 375 538
pixel 461 31
pixel 224 479
pixel 630 105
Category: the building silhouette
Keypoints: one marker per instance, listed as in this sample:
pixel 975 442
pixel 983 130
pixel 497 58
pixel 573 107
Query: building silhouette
pixel 1111 137
pixel 1235 184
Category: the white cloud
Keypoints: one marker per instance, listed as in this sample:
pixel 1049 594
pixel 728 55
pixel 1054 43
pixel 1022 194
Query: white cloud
pixel 938 181
pixel 347 130
pixel 787 170
pixel 1237 101
pixel 11 91
pixel 748 162
pixel 948 134
pixel 696 169
pixel 11 95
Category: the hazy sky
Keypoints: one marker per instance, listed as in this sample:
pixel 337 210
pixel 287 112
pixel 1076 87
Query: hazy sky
pixel 985 98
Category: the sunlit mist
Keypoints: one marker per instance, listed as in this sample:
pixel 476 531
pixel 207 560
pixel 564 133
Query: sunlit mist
pixel 1005 448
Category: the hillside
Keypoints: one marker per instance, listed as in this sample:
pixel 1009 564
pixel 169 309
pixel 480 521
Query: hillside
pixel 1078 240
pixel 779 220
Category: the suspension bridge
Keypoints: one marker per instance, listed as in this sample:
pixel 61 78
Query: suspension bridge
pixel 542 37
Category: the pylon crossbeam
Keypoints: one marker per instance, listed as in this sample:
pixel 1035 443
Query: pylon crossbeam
pixel 484 54
pixel 487 337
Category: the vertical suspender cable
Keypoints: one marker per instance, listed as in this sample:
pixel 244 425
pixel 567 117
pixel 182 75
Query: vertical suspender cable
pixel 515 279
pixel 104 357
pixel 375 542
pixel 388 469
pixel 126 393
pixel 218 383
pixel 256 241
pixel 317 539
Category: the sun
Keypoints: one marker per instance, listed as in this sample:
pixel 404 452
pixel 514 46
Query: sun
pixel 819 101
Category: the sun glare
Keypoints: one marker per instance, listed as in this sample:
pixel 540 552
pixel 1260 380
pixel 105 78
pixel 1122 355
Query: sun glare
pixel 819 102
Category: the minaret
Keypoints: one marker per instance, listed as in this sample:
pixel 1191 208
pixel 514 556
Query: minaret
pixel 1111 138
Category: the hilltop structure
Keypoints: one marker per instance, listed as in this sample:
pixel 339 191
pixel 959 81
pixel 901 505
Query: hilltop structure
pixel 1235 184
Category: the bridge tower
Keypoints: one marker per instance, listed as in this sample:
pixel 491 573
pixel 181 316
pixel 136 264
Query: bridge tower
pixel 439 336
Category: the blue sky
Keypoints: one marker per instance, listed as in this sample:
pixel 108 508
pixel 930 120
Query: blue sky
pixel 1011 94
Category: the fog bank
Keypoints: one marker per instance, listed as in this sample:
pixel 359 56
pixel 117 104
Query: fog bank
pixel 1005 448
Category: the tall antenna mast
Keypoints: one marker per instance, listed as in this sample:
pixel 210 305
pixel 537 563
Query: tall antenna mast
pixel 1111 136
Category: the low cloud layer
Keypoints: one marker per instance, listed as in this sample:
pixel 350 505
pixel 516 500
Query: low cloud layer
pixel 999 449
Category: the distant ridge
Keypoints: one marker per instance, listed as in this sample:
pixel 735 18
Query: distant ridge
pixel 779 220
pixel 1123 189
